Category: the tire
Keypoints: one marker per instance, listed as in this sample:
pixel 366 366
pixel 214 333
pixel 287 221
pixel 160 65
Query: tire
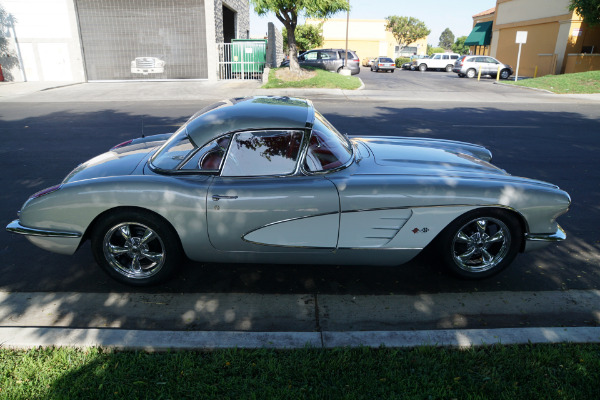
pixel 481 243
pixel 449 68
pixel 136 247
pixel 504 74
pixel 471 73
pixel 423 67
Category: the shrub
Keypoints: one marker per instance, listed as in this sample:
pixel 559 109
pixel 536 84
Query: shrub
pixel 401 60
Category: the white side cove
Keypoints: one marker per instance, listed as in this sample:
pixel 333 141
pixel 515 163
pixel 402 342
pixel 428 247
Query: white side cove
pixel 319 231
pixel 371 229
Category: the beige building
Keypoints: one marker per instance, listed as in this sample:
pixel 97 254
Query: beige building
pixel 558 41
pixel 368 37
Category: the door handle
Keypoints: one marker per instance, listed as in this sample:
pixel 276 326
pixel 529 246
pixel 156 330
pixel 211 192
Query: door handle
pixel 217 197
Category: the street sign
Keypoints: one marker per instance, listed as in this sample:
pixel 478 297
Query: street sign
pixel 521 37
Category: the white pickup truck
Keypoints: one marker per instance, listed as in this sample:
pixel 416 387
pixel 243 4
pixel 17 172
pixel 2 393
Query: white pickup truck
pixel 440 61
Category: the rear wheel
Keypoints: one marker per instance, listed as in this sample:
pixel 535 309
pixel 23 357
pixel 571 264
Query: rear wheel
pixel 423 67
pixel 481 243
pixel 471 73
pixel 449 68
pixel 136 247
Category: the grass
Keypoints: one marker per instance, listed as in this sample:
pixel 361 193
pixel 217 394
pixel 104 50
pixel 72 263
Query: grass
pixel 582 82
pixel 323 79
pixel 564 371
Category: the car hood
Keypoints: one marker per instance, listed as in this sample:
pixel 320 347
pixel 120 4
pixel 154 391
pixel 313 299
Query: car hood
pixel 118 162
pixel 428 157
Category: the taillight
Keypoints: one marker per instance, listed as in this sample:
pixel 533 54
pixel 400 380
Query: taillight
pixel 45 191
pixel 125 143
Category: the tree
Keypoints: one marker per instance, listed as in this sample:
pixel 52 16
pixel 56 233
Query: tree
pixel 287 11
pixel 308 37
pixel 431 50
pixel 588 9
pixel 446 39
pixel 459 46
pixel 406 30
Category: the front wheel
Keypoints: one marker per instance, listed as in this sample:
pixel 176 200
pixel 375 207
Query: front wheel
pixel 504 74
pixel 481 243
pixel 423 67
pixel 136 248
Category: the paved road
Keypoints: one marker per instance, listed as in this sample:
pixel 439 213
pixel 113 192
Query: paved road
pixel 550 140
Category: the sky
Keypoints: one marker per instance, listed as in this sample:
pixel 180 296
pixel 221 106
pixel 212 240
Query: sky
pixel 437 15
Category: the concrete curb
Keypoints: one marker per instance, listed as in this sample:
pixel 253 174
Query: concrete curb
pixel 32 337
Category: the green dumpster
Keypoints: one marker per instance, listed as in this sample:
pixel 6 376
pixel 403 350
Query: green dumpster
pixel 248 56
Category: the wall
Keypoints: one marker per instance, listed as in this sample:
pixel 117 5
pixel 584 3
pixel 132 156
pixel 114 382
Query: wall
pixel 582 63
pixel 115 32
pixel 48 41
pixel 368 38
pixel 274 46
pixel 242 18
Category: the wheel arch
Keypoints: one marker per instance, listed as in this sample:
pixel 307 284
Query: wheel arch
pixel 520 218
pixel 88 232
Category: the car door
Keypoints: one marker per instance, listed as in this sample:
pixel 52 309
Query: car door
pixel 259 203
pixel 310 59
pixel 492 66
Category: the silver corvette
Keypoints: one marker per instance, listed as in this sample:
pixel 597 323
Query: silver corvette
pixel 270 180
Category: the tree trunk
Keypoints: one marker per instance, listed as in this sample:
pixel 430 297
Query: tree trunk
pixel 292 48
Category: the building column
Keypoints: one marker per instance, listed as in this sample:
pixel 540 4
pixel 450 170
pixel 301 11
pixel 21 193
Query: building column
pixel 562 39
pixel 212 58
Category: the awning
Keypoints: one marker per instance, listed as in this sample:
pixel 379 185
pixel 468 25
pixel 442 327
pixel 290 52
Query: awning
pixel 481 34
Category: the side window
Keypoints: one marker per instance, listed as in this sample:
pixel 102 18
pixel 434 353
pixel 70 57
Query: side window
pixel 311 56
pixel 445 57
pixel 210 157
pixel 261 153
pixel 455 57
pixel 491 60
pixel 437 57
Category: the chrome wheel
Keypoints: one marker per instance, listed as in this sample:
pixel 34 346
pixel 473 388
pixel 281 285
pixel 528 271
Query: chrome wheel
pixel 134 250
pixel 481 244
pixel 471 73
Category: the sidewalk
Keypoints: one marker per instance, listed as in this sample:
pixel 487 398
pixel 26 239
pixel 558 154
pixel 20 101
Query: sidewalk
pixel 216 320
pixel 30 92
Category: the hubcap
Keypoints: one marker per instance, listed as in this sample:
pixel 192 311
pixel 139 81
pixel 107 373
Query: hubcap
pixel 134 250
pixel 481 244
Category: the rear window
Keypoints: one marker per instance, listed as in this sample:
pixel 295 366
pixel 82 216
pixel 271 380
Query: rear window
pixel 350 55
pixel 386 60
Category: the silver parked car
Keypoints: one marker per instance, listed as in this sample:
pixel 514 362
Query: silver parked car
pixel 383 64
pixel 270 180
pixel 328 59
pixel 469 66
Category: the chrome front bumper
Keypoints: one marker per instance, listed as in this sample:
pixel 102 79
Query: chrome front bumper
pixel 534 241
pixel 16 227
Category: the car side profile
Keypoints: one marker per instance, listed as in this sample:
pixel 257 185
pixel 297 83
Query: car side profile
pixel 471 66
pixel 437 61
pixel 270 180
pixel 329 60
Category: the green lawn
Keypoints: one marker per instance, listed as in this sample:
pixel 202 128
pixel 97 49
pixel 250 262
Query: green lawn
pixel 583 82
pixel 323 79
pixel 563 371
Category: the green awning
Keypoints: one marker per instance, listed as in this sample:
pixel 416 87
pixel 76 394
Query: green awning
pixel 481 35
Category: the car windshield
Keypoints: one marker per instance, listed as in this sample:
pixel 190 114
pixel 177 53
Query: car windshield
pixel 327 149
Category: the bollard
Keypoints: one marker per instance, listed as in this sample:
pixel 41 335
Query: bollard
pixel 479 74
pixel 498 75
pixel 535 73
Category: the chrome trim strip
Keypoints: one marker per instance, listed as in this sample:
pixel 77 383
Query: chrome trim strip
pixel 557 236
pixel 16 227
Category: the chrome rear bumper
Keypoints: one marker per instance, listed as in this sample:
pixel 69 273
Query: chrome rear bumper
pixel 16 227
pixel 537 241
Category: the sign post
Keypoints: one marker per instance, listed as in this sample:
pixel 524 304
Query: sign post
pixel 521 38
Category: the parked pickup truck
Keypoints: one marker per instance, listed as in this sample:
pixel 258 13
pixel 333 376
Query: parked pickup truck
pixel 440 61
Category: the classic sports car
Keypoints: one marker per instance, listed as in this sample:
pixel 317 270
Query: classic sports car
pixel 270 180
